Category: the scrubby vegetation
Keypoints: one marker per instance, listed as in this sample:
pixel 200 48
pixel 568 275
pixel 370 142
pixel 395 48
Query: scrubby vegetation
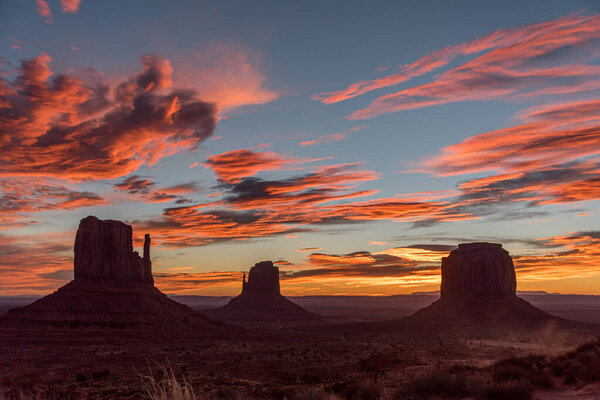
pixel 436 384
pixel 514 378
pixel 166 386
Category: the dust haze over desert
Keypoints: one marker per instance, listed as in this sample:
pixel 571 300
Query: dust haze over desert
pixel 299 200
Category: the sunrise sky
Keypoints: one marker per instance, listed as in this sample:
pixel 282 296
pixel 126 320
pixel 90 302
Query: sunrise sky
pixel 355 143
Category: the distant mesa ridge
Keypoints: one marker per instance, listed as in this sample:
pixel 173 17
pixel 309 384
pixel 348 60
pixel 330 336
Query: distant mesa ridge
pixel 261 299
pixel 113 288
pixel 479 282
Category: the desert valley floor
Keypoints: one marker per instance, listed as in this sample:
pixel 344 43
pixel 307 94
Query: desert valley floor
pixel 279 361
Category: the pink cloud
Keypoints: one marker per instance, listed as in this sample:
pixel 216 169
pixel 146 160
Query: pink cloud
pixel 539 59
pixel 334 137
pixel 70 6
pixel 233 165
pixel 232 75
pixel 68 126
pixel 43 9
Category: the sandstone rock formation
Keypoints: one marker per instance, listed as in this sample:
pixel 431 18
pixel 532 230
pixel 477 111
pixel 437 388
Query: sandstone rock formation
pixel 104 251
pixel 261 300
pixel 113 288
pixel 263 280
pixel 479 282
pixel 478 270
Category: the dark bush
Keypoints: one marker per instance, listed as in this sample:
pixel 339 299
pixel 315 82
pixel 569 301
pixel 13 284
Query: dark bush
pixel 310 378
pixel 81 377
pixel 531 369
pixel 574 372
pixel 277 392
pixel 580 365
pixel 511 390
pixel 310 393
pixel 440 384
pixel 363 390
pixel 103 374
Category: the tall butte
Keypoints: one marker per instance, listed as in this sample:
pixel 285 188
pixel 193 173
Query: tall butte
pixel 104 251
pixel 261 300
pixel 479 283
pixel 113 288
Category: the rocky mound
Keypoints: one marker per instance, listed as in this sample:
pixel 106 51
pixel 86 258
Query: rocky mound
pixel 479 283
pixel 261 300
pixel 113 288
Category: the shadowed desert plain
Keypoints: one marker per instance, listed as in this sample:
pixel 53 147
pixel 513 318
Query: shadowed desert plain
pixel 110 334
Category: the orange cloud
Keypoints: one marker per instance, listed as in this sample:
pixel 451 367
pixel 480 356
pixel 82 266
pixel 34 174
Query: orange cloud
pixel 362 270
pixel 309 249
pixel 70 6
pixel 538 143
pixel 544 58
pixel 572 255
pixel 334 137
pixel 34 267
pixel 232 166
pixel 67 126
pixel 145 189
pixel 43 9
pixel 251 207
pixel 232 75
pixel 18 197
pixel 552 157
pixel 184 282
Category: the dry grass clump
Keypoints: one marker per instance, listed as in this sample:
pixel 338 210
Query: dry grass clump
pixel 167 386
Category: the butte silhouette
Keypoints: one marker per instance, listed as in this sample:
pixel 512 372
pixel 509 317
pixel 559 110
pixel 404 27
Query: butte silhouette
pixel 113 287
pixel 261 300
pixel 479 283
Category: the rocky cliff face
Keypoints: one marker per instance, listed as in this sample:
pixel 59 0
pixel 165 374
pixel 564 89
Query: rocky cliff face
pixel 113 288
pixel 104 251
pixel 263 278
pixel 261 300
pixel 478 270
pixel 479 283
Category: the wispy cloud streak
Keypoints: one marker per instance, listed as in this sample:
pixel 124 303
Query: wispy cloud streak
pixel 553 57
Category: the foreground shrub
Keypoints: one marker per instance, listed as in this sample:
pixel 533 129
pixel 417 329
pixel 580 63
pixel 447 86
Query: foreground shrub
pixel 437 384
pixel 581 365
pixel 167 387
pixel 47 394
pixel 511 390
pixel 363 390
pixel 312 393
pixel 530 369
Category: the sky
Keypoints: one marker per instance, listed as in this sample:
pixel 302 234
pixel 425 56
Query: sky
pixel 353 143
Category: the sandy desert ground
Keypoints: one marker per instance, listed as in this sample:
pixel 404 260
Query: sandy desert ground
pixel 373 360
